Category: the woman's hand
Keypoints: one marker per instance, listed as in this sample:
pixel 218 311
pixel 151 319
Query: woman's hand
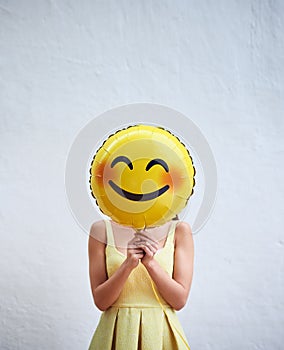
pixel 134 253
pixel 149 247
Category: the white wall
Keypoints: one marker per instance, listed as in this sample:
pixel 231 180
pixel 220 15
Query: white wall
pixel 219 62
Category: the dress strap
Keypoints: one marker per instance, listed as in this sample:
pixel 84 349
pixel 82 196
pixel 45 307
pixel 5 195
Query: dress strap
pixel 171 234
pixel 109 233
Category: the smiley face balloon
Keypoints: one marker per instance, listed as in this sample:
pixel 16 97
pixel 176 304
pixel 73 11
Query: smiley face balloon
pixel 142 176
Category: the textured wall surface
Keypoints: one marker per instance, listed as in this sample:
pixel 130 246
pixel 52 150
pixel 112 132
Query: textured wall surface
pixel 220 63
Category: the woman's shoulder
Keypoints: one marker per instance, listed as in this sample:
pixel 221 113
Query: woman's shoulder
pixel 98 231
pixel 182 231
pixel 183 226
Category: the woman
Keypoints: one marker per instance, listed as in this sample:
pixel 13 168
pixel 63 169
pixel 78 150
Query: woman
pixel 138 280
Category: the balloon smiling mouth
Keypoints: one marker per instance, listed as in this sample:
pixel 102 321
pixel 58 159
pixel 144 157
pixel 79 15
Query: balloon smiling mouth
pixel 137 197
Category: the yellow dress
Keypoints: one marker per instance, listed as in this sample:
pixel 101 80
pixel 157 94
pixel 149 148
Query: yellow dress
pixel 140 318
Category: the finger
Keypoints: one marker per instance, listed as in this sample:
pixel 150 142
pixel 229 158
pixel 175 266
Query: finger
pixel 139 255
pixel 152 247
pixel 150 243
pixel 135 249
pixel 135 242
pixel 148 251
pixel 132 246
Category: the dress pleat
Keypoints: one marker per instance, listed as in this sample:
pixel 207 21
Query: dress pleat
pixel 128 323
pixel 151 329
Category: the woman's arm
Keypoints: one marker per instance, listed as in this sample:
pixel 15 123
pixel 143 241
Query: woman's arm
pixel 174 289
pixel 106 291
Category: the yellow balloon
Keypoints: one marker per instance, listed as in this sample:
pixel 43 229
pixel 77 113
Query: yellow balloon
pixel 142 176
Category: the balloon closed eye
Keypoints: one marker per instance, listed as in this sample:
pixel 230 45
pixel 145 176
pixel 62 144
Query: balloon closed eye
pixel 160 162
pixel 122 159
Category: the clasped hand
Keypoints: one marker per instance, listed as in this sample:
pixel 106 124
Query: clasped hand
pixel 141 248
